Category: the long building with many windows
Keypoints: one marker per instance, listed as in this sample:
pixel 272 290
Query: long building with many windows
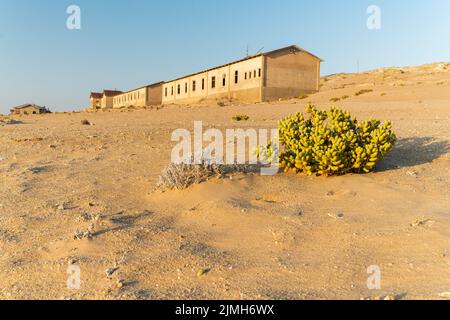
pixel 282 73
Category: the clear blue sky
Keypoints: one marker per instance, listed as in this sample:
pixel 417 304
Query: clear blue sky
pixel 130 43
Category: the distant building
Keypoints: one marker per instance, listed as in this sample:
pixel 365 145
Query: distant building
pixel 96 100
pixel 283 73
pixel 27 109
pixel 140 97
pixel 103 100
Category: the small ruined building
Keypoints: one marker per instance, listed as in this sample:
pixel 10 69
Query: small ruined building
pixel 283 73
pixel 103 100
pixel 28 109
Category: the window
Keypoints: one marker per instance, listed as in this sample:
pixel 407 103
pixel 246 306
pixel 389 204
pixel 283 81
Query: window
pixel 213 82
pixel 236 76
pixel 224 80
pixel 254 74
pixel 203 84
pixel 259 72
pixel 179 89
pixel 250 75
pixel 245 76
pixel 193 85
pixel 171 92
pixel 166 92
pixel 186 87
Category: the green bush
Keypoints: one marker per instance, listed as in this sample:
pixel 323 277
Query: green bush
pixel 241 117
pixel 332 143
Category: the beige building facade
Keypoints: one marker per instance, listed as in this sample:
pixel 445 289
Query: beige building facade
pixel 283 73
pixel 103 100
pixel 140 97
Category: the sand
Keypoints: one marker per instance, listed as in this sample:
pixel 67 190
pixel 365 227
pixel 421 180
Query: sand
pixel 249 237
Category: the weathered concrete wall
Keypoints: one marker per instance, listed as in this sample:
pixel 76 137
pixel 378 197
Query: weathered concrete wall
pixel 154 95
pixel 137 98
pixel 107 102
pixel 290 75
pixel 96 103
pixel 141 97
pixel 218 83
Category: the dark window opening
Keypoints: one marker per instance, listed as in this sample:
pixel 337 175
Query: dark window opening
pixel 259 72
pixel 193 85
pixel 236 76
pixel 203 84
pixel 179 89
pixel 224 80
pixel 213 82
pixel 186 87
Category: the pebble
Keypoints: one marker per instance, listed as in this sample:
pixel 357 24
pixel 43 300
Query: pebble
pixel 336 215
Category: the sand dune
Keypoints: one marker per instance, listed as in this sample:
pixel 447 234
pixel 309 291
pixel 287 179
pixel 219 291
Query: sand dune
pixel 249 237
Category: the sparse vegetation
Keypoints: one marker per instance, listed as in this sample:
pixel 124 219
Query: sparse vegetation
pixel 241 117
pixel 85 122
pixel 345 97
pixel 182 176
pixel 363 91
pixel 335 99
pixel 332 142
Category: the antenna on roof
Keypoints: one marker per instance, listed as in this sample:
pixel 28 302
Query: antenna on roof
pixel 260 50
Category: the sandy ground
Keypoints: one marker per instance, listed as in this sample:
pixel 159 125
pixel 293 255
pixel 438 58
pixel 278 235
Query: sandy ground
pixel 280 237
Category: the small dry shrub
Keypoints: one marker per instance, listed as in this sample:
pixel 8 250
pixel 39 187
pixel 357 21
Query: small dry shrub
pixel 363 91
pixel 182 176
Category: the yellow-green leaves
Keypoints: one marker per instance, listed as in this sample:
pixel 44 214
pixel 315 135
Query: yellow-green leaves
pixel 332 142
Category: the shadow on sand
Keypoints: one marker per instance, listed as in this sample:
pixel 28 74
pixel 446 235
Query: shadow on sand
pixel 413 152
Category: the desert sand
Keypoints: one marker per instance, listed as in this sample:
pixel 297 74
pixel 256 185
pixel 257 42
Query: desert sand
pixel 245 237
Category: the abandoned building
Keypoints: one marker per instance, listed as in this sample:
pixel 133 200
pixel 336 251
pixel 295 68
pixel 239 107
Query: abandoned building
pixel 140 97
pixel 283 73
pixel 27 109
pixel 103 100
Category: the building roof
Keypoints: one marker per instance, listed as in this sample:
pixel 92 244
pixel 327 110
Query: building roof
pixel 111 93
pixel 292 48
pixel 28 105
pixel 147 86
pixel 96 95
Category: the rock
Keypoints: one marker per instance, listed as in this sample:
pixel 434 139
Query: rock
pixel 110 271
pixel 203 272
pixel 422 223
pixel 412 174
pixel 338 216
